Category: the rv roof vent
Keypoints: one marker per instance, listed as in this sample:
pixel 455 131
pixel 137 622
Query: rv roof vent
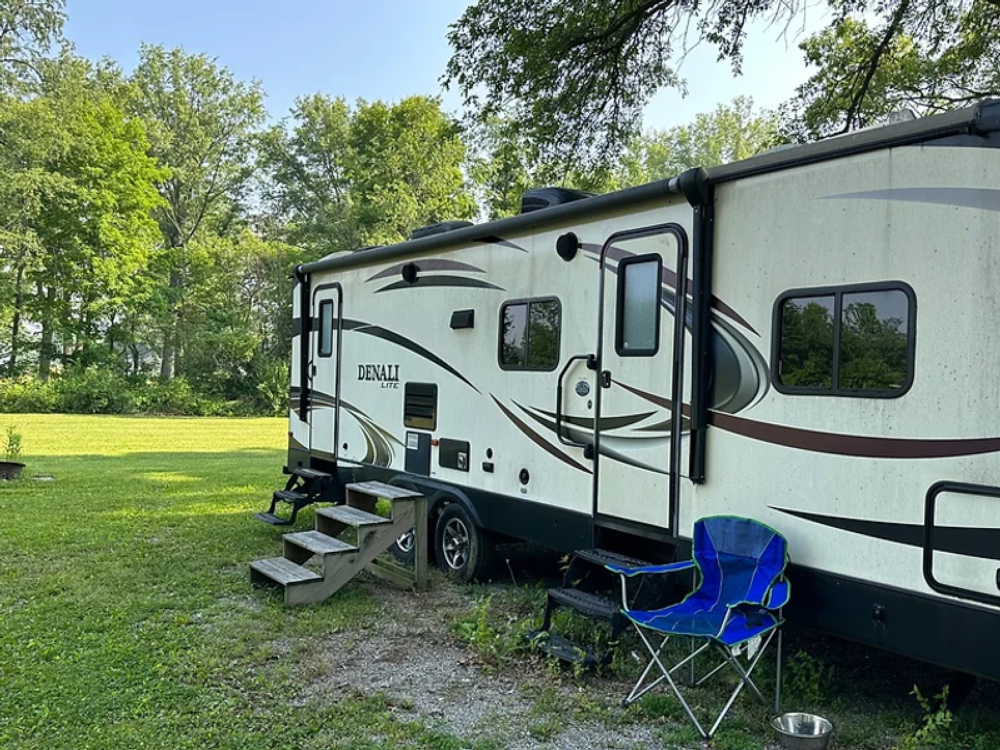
pixel 539 198
pixel 439 228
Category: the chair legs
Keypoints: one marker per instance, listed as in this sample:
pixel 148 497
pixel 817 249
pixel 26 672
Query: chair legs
pixel 729 658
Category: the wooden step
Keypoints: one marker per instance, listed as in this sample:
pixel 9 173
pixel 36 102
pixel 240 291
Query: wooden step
pixel 351 516
pixel 381 489
pixel 318 543
pixel 278 570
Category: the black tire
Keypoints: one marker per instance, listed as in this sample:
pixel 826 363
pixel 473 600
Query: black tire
pixel 402 548
pixel 463 550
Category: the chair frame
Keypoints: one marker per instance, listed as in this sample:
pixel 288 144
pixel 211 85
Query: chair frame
pixel 730 653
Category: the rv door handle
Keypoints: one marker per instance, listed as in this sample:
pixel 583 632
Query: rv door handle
pixel 605 378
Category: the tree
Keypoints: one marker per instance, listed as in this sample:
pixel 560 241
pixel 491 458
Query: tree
pixel 343 177
pixel 576 75
pixel 731 133
pixel 308 163
pixel 77 190
pixel 202 123
pixel 28 28
pixel 507 163
pixel 239 303
pixel 921 70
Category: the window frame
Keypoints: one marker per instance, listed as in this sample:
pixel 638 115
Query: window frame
pixel 838 291
pixel 325 354
pixel 435 390
pixel 623 265
pixel 528 301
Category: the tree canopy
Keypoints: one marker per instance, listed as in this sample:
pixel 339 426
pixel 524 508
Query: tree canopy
pixel 28 29
pixel 339 177
pixel 575 76
pixel 150 221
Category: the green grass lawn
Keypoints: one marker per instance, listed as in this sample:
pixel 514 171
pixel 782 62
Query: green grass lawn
pixel 126 617
pixel 127 620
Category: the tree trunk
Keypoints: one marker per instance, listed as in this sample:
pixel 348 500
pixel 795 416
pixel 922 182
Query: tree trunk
pixel 133 346
pixel 169 357
pixel 45 347
pixel 15 324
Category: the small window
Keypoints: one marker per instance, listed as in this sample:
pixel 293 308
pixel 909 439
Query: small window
pixel 846 341
pixel 420 406
pixel 326 328
pixel 529 335
pixel 637 329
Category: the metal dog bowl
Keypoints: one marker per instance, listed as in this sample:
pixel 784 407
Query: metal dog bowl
pixel 800 731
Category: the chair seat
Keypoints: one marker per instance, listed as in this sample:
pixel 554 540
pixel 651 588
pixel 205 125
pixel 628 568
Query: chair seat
pixel 691 619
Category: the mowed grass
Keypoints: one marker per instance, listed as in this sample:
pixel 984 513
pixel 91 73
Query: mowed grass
pixel 126 617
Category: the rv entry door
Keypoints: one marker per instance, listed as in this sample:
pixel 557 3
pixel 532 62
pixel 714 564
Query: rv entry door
pixel 640 367
pixel 324 368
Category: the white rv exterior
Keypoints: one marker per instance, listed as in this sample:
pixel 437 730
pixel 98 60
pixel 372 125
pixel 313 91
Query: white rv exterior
pixel 871 439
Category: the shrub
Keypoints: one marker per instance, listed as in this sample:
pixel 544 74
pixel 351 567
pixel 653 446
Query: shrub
pixel 271 395
pixel 96 391
pixel 104 390
pixel 27 396
pixel 15 445
pixel 174 396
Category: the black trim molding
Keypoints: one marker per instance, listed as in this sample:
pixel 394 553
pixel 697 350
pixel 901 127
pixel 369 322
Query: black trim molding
pixel 516 517
pixel 951 634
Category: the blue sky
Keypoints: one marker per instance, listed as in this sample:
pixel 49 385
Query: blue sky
pixel 379 49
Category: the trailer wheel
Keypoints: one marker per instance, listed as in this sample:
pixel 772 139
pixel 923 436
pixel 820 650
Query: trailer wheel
pixel 463 550
pixel 402 549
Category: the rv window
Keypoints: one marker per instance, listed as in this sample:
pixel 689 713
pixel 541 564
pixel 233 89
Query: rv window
pixel 529 335
pixel 807 342
pixel 420 406
pixel 637 330
pixel 874 341
pixel 514 342
pixel 326 328
pixel 847 341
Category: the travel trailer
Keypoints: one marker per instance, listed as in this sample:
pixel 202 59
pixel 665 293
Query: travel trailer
pixel 810 338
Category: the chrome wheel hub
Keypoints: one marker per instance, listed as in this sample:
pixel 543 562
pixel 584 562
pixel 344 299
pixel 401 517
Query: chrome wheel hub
pixel 405 542
pixel 455 542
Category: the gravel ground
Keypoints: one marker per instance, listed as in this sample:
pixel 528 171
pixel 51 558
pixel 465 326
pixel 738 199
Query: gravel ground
pixel 411 656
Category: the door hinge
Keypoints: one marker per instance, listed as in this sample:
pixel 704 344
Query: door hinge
pixel 606 379
pixel 312 370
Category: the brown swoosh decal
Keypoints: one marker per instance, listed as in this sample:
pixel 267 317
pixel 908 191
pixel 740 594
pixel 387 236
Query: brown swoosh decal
pixel 429 281
pixel 538 439
pixel 836 443
pixel 431 264
pixel 607 423
pixel 670 279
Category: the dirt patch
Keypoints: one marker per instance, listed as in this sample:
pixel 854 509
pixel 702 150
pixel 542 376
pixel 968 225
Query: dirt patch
pixel 411 656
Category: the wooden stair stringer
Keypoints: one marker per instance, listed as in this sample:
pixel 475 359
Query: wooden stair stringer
pixel 339 570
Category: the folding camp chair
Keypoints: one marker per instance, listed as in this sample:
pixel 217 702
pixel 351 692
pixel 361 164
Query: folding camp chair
pixel 735 606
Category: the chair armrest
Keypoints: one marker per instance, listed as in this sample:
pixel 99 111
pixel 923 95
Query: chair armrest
pixel 628 572
pixel 651 569
pixel 779 595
